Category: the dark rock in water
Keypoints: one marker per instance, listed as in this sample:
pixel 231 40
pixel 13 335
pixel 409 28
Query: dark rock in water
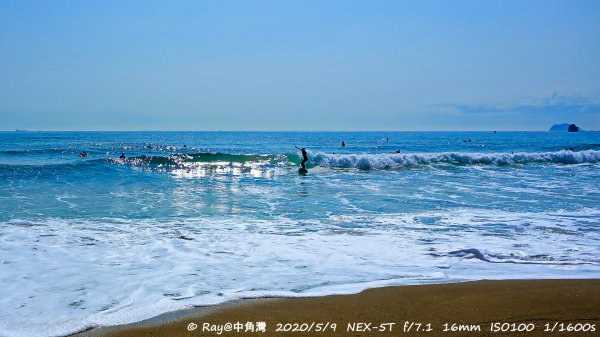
pixel 565 127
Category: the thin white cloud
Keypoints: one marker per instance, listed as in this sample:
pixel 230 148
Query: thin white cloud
pixel 553 104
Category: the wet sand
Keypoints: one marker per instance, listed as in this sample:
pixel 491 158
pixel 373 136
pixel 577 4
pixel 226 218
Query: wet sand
pixel 541 304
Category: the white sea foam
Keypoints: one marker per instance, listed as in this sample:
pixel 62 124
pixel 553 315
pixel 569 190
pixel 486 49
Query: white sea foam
pixel 393 160
pixel 58 276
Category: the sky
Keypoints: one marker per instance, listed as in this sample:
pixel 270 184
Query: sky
pixel 299 65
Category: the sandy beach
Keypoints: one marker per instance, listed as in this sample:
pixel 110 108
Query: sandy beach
pixel 482 308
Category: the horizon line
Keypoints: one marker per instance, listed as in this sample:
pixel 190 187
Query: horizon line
pixel 224 130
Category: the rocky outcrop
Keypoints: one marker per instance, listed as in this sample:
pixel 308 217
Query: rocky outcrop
pixel 565 127
pixel 559 127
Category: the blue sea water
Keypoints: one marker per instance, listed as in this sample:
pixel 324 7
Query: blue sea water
pixel 199 218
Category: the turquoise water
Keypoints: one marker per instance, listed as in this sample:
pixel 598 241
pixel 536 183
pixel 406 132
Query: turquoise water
pixel 195 218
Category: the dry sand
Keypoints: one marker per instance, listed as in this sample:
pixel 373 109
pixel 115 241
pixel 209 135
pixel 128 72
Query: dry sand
pixel 572 303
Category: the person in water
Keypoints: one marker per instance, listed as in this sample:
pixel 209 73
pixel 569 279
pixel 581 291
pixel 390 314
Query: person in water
pixel 122 156
pixel 304 156
pixel 343 144
pixel 83 154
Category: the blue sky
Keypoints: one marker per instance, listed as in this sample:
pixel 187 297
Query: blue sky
pixel 299 65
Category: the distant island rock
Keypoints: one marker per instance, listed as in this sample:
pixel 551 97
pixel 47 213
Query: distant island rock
pixel 565 127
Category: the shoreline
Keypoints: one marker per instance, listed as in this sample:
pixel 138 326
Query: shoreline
pixel 465 304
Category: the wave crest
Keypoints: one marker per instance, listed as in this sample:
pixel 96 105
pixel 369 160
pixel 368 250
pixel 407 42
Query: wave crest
pixel 393 160
pixel 200 159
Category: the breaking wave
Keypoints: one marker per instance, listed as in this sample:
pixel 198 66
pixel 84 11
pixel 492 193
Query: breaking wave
pixel 393 160
pixel 372 161
pixel 361 161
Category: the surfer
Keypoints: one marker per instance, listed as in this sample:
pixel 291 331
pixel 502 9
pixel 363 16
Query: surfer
pixel 304 156
pixel 83 154
pixel 343 144
pixel 122 156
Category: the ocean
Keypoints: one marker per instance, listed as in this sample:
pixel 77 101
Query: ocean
pixel 200 218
